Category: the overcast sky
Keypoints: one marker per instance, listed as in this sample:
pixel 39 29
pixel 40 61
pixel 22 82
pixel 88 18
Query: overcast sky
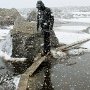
pixel 49 3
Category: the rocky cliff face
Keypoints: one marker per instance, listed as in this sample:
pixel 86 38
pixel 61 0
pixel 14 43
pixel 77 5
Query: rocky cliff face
pixel 8 16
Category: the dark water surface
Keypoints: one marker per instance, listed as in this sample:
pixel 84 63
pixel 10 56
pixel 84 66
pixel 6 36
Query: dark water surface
pixel 73 77
pixel 71 74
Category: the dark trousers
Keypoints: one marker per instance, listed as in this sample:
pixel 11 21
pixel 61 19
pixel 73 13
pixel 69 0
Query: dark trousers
pixel 46 41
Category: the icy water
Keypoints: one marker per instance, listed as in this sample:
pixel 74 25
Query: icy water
pixel 72 73
pixel 72 77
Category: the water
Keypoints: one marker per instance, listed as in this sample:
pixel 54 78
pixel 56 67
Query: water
pixel 69 74
pixel 66 77
pixel 66 74
pixel 72 73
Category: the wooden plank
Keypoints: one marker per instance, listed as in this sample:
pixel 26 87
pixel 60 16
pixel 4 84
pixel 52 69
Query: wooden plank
pixel 23 82
pixel 38 60
pixel 70 46
pixel 35 65
pixel 24 77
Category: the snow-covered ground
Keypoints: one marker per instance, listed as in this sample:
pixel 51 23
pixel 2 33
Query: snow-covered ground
pixel 70 28
pixel 69 34
pixel 16 80
pixel 6 49
pixel 84 20
pixel 5 40
pixel 70 37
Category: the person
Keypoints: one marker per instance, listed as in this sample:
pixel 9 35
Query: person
pixel 45 21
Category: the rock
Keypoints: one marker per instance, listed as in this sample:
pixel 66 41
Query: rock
pixel 21 25
pixel 87 30
pixel 8 16
pixel 26 41
pixel 24 36
pixel 1 88
pixel 2 67
pixel 58 54
pixel 54 39
pixel 6 81
pixel 32 16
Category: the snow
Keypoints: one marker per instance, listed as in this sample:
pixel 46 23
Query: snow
pixel 10 27
pixel 69 38
pixel 71 28
pixel 80 12
pixel 58 54
pixel 84 20
pixel 3 33
pixel 4 55
pixel 16 81
pixel 77 51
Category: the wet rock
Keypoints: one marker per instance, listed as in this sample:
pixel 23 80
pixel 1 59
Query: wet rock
pixel 8 16
pixel 54 39
pixel 1 88
pixel 6 81
pixel 24 36
pixel 2 67
pixel 87 30
pixel 32 16
pixel 26 41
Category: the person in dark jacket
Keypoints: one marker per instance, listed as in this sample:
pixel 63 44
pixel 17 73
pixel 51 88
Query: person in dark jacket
pixel 44 21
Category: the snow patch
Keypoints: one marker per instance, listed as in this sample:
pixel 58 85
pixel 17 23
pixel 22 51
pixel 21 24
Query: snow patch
pixel 16 81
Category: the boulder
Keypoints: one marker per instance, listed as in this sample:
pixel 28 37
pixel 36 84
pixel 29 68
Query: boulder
pixel 27 42
pixel 8 16
pixel 25 39
pixel 32 16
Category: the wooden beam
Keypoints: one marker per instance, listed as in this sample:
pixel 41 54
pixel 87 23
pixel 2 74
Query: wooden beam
pixel 72 45
pixel 38 60
pixel 24 77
